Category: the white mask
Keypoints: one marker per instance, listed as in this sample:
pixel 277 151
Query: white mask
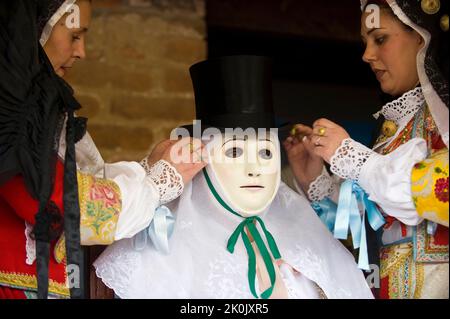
pixel 247 170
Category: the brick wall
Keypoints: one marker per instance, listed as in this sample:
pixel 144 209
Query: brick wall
pixel 134 85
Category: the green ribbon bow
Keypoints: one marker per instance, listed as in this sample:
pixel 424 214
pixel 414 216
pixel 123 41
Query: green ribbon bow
pixel 250 223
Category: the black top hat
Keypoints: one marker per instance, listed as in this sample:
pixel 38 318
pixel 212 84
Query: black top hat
pixel 234 91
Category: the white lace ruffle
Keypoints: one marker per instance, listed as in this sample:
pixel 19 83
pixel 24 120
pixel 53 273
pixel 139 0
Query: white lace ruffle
pixel 114 274
pixel 349 159
pixel 30 245
pixel 321 187
pixel 403 109
pixel 166 179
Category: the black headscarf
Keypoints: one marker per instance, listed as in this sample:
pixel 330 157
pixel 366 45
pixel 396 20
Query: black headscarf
pixel 34 103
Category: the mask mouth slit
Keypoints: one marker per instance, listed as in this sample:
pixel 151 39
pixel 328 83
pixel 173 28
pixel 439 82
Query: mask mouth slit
pixel 252 186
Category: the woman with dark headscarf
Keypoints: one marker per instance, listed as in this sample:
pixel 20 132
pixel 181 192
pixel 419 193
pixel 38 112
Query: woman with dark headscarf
pixel 406 172
pixel 56 192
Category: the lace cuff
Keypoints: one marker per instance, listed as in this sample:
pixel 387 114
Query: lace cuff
pixel 166 179
pixel 321 187
pixel 349 159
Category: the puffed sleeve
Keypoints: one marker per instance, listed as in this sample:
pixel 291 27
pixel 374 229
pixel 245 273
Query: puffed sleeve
pixel 387 180
pixel 143 188
pixel 112 208
pixel 139 197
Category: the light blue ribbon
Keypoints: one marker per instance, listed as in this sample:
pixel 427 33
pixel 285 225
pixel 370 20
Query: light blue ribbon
pixel 159 231
pixel 326 210
pixel 348 216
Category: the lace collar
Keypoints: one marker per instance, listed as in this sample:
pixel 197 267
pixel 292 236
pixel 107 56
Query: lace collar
pixel 404 107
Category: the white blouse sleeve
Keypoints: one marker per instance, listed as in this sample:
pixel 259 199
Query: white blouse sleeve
pixel 142 192
pixel 386 178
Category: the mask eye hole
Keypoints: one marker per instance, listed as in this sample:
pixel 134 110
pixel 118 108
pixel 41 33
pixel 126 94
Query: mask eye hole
pixel 265 154
pixel 234 152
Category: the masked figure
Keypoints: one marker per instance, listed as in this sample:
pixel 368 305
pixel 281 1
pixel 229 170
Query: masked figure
pixel 237 231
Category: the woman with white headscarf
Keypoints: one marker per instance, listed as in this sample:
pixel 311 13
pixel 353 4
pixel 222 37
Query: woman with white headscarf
pixel 56 192
pixel 406 172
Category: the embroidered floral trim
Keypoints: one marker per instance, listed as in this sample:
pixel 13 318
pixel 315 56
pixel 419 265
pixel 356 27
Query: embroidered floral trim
pixel 404 108
pixel 349 159
pixel 59 252
pixel 430 188
pixel 405 277
pixel 100 207
pixel 321 187
pixel 166 179
pixel 30 245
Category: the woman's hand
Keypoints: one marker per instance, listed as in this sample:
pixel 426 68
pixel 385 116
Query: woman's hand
pixel 305 164
pixel 326 138
pixel 187 156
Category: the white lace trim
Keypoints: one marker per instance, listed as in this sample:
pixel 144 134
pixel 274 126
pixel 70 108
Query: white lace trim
pixel 321 187
pixel 314 267
pixel 117 275
pixel 30 245
pixel 349 159
pixel 404 108
pixel 166 179
pixel 223 276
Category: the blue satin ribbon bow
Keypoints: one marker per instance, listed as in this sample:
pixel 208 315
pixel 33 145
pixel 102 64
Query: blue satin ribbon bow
pixel 326 210
pixel 347 215
pixel 159 231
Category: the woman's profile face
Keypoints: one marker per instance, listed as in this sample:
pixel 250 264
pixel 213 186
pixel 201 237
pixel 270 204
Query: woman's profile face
pixel 391 50
pixel 66 43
